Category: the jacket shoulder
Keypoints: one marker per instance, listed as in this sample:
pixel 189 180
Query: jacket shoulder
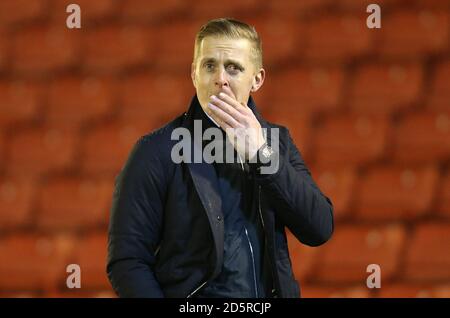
pixel 155 147
pixel 162 134
pixel 283 131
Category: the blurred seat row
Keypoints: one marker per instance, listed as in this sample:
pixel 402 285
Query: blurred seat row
pixel 371 89
pixel 379 195
pixel 414 256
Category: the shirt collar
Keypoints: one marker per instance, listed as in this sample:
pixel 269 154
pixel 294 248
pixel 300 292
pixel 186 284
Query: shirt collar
pixel 210 117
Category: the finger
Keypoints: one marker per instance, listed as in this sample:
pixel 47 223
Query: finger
pixel 213 115
pixel 233 102
pixel 223 116
pixel 229 92
pixel 228 109
pixel 226 127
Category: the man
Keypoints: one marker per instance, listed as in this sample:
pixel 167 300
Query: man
pixel 215 229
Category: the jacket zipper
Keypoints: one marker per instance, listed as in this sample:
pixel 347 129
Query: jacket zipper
pixel 253 262
pixel 259 207
pixel 262 221
pixel 196 290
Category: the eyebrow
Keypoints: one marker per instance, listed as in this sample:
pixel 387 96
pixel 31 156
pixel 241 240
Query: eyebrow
pixel 228 61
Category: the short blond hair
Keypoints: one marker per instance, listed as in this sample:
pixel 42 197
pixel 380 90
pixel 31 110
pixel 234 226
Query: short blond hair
pixel 233 29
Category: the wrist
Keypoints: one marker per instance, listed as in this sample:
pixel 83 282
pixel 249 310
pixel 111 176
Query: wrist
pixel 263 157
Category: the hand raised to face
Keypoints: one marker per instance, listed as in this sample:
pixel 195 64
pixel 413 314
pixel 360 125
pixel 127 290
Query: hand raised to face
pixel 238 121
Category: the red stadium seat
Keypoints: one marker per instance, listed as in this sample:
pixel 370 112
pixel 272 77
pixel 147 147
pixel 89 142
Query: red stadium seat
pixel 394 193
pixel 443 197
pixel 153 12
pixel 31 263
pixel 17 197
pixel 25 294
pixel 147 97
pixel 41 150
pixel 4 48
pixel 106 147
pixel 40 50
pixel 344 259
pixel 295 8
pixel 77 293
pixel 299 125
pixel 340 186
pixel 406 290
pixel 205 9
pixel 304 90
pixel 385 89
pixel 21 11
pixel 303 258
pixel 440 91
pixel 121 48
pixel 74 203
pixel 361 5
pixel 351 140
pixel 2 148
pixel 337 38
pixel 74 101
pixel 423 138
pixel 412 34
pixel 175 56
pixel 428 259
pixel 90 253
pixel 275 51
pixel 327 291
pixel 431 4
pixel 92 11
pixel 20 102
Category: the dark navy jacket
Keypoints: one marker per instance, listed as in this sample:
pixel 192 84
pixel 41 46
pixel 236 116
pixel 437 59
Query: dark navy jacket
pixel 166 234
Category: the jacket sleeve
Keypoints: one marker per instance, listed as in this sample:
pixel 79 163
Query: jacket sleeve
pixel 135 224
pixel 303 208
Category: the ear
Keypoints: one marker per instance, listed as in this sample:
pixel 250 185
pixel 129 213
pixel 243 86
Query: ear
pixel 258 80
pixel 193 74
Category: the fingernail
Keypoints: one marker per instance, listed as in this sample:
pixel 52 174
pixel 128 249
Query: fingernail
pixel 221 94
pixel 213 97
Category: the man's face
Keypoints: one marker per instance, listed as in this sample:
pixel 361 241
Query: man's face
pixel 223 62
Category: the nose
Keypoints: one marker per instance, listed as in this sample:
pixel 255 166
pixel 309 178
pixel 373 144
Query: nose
pixel 221 78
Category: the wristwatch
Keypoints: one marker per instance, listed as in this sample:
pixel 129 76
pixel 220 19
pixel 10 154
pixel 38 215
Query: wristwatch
pixel 265 152
pixel 265 157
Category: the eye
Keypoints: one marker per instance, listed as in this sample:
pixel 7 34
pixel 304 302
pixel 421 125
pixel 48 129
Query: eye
pixel 209 66
pixel 233 68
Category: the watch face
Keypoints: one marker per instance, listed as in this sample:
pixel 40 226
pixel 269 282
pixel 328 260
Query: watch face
pixel 267 152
